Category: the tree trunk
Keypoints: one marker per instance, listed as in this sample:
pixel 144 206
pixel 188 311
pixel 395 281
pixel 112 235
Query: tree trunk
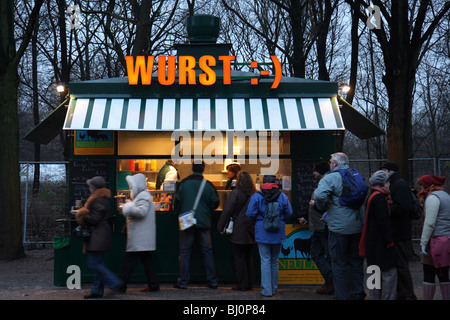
pixel 11 246
pixel 296 15
pixel 399 90
pixel 10 210
pixel 142 40
pixel 37 146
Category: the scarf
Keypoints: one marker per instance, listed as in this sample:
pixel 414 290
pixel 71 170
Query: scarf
pixel 425 192
pixel 377 190
pixel 387 195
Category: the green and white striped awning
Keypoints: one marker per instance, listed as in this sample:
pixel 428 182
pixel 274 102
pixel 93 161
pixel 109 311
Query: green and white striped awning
pixel 165 114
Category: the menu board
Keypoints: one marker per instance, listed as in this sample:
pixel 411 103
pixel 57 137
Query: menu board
pixel 302 184
pixel 82 170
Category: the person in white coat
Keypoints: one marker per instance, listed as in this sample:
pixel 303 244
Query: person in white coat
pixel 141 232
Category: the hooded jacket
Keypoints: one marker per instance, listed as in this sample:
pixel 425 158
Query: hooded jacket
pixel 140 215
pixel 256 209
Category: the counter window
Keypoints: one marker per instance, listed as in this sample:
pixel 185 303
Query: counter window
pixel 162 173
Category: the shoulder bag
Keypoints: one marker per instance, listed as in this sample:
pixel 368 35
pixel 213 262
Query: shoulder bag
pixel 187 219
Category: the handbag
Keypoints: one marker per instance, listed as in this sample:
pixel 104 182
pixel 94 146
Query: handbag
pixel 187 219
pixel 82 233
pixel 229 227
pixel 440 251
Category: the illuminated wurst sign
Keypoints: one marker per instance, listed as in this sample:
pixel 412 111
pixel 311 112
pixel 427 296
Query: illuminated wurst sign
pixel 142 67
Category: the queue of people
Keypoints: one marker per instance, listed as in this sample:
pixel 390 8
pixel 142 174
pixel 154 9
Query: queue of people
pixel 342 235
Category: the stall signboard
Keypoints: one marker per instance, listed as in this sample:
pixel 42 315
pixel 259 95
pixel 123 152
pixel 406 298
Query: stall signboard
pixel 141 67
pixel 93 142
pixel 295 265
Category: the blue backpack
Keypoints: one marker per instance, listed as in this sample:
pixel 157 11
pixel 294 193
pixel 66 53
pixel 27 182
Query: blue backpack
pixel 354 188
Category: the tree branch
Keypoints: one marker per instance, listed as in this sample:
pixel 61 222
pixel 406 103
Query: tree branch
pixel 28 32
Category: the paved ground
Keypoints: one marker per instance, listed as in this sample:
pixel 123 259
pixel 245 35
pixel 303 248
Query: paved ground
pixel 31 278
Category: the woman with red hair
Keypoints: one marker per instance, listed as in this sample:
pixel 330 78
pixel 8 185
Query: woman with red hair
pixel 435 235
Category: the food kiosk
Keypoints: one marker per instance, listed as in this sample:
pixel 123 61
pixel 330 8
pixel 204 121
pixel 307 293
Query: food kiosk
pixel 196 106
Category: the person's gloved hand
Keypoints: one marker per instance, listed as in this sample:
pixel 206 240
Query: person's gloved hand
pixel 423 250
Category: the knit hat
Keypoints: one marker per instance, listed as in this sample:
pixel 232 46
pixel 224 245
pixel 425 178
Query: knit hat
pixel 430 179
pixel 379 178
pixel 269 178
pixel 96 182
pixel 390 166
pixel 322 167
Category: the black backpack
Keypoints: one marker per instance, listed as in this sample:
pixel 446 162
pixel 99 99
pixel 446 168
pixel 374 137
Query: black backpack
pixel 415 207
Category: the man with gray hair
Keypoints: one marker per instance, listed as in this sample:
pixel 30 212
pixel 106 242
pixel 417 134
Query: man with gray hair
pixel 345 226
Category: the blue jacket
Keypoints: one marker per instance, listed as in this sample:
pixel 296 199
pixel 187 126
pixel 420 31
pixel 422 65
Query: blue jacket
pixel 257 207
pixel 340 219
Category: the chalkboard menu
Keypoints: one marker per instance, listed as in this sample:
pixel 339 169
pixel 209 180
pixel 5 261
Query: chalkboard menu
pixel 302 184
pixel 82 170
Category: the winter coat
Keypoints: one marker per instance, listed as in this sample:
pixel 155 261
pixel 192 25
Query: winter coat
pixel 400 209
pixel 140 215
pixel 256 209
pixel 94 215
pixel 185 198
pixel 340 219
pixel 380 249
pixel 236 206
pixel 315 215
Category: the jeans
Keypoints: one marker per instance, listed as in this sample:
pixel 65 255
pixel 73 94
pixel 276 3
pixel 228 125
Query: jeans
pixel 347 265
pixel 321 256
pixel 269 254
pixel 186 241
pixel 103 277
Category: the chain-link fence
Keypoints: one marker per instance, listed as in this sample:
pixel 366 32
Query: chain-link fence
pixel 43 202
pixel 43 206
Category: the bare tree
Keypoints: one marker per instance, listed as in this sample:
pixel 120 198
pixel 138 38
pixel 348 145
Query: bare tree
pixel 10 210
pixel 404 41
pixel 291 15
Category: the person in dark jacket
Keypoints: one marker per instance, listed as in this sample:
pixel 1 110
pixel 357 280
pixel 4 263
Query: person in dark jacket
pixel 94 215
pixel 319 239
pixel 269 243
pixel 377 240
pixel 184 201
pixel 401 228
pixel 241 238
